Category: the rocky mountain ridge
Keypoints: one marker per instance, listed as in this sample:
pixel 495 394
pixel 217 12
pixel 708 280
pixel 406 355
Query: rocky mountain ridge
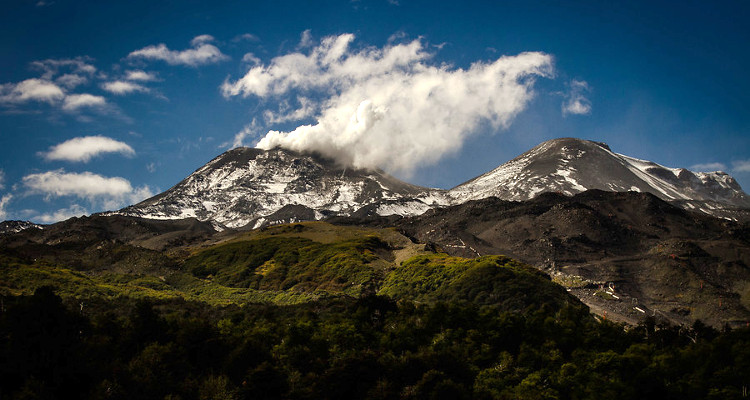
pixel 250 188
pixel 253 188
pixel 7 227
pixel 571 166
pixel 247 187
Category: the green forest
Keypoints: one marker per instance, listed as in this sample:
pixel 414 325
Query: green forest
pixel 371 347
pixel 317 311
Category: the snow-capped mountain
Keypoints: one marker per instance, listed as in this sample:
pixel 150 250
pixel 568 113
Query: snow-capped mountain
pixel 571 166
pixel 252 186
pixel 17 226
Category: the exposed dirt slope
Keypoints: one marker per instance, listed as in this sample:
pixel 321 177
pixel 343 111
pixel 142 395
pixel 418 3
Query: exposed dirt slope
pixel 661 259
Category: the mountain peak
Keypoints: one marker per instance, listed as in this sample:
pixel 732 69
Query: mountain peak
pixel 254 187
pixel 570 166
pixel 248 186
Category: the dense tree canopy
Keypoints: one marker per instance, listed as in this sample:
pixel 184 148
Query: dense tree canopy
pixel 346 348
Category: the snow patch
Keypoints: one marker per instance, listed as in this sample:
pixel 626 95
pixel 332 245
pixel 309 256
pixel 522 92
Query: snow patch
pixel 566 173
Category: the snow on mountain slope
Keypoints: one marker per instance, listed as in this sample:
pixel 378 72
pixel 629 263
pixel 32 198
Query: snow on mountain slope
pixel 17 226
pixel 252 186
pixel 570 166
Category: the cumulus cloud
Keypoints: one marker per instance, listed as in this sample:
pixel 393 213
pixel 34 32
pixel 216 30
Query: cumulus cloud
pixel 108 192
pixel 44 91
pixel 74 102
pixel 4 206
pixel 741 166
pixel 123 87
pixel 391 107
pixel 85 185
pixel 709 167
pixel 34 89
pixel 83 149
pixel 576 101
pixel 201 53
pixel 138 75
pixel 57 77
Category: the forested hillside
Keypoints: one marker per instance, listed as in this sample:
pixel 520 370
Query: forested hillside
pixel 318 311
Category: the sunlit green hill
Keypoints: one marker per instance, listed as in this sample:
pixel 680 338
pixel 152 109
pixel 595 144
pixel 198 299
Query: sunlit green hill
pixel 285 264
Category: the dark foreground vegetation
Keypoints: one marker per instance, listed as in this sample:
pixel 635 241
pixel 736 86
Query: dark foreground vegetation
pixel 347 348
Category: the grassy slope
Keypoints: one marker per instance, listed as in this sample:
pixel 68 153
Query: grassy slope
pixel 290 264
pixel 488 280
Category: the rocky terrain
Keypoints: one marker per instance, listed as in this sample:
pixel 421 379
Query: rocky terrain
pixel 673 263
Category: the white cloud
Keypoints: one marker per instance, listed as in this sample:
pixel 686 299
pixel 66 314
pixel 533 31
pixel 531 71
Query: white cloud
pixel 708 167
pixel 306 109
pixel 576 101
pixel 2 179
pixel 52 67
pixel 71 81
pixel 63 214
pixel 123 87
pixel 31 90
pixel 57 76
pixel 246 36
pixel 305 40
pixel 74 102
pixel 391 107
pixel 202 53
pixel 250 58
pixel 83 149
pixel 201 39
pixel 4 205
pixel 138 75
pixel 85 185
pixel 248 131
pixel 107 192
pixel 140 194
pixel 741 166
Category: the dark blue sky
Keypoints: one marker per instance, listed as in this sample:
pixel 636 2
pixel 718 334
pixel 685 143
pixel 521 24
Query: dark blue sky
pixel 664 81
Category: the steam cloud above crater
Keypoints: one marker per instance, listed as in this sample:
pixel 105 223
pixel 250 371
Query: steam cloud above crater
pixel 389 107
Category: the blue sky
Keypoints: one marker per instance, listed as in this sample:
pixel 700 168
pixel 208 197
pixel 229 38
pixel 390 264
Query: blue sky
pixel 105 103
